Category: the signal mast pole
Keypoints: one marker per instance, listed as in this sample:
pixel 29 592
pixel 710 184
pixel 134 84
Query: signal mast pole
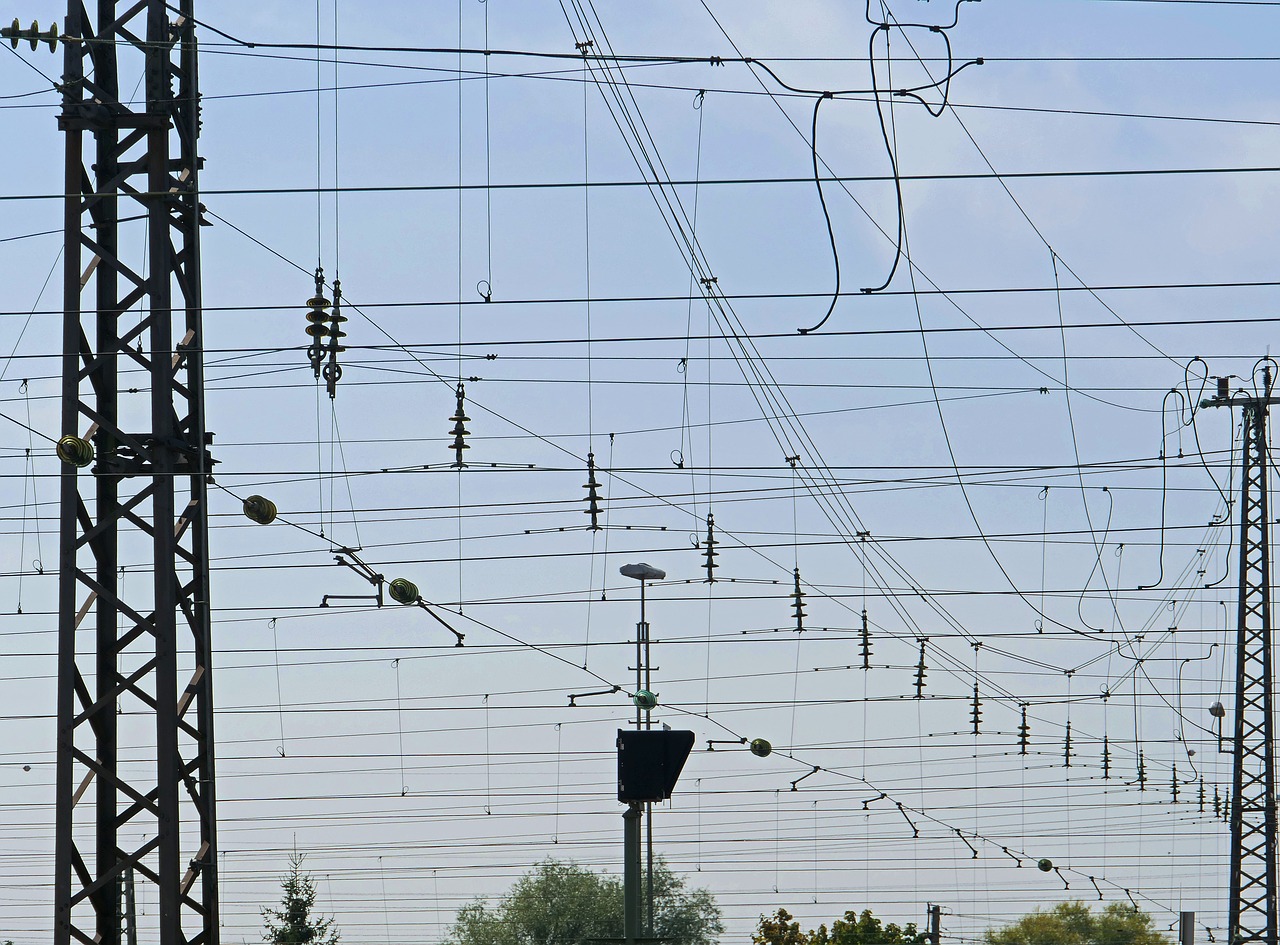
pixel 135 764
pixel 1252 912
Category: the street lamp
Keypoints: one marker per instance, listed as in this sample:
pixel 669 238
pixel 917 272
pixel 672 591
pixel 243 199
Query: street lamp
pixel 644 698
pixel 645 701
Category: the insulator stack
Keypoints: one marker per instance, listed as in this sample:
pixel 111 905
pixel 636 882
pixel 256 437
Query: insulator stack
pixel 1106 759
pixel 710 553
pixel 1024 733
pixel 317 324
pixel 920 673
pixel 1142 772
pixel 259 509
pixel 1226 810
pixel 403 591
pixel 1066 747
pixel 975 711
pixel 592 485
pixel 334 345
pixel 797 606
pixel 1174 784
pixel 1217 802
pixel 460 432
pixel 74 451
pixel 865 638
pixel 15 34
pixel 1200 797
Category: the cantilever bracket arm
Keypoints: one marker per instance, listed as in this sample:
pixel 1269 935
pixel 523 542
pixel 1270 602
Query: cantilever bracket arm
pixel 348 558
pixel 440 620
pixel 815 770
pixel 575 696
pixel 713 742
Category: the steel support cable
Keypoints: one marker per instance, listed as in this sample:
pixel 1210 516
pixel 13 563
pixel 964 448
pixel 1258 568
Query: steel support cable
pixel 768 386
pixel 1022 210
pixel 946 436
pixel 829 178
pixel 362 314
pixel 634 127
pixel 688 247
pixel 512 422
pixel 673 222
pixel 560 75
pixel 990 333
pixel 951 452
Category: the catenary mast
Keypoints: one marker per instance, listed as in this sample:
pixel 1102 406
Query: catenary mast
pixel 135 776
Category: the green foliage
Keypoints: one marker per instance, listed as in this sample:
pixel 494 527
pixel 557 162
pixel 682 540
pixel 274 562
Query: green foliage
pixel 1074 923
pixel 779 929
pixel 565 904
pixel 866 929
pixel 293 923
pixel 852 929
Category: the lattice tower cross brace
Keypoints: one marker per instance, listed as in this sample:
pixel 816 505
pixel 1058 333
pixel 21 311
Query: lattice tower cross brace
pixel 135 775
pixel 1252 911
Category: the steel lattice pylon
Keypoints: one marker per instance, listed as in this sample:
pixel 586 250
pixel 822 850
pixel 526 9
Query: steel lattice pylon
pixel 1252 912
pixel 135 779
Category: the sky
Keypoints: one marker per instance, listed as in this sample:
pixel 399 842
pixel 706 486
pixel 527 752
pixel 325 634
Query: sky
pixel 994 457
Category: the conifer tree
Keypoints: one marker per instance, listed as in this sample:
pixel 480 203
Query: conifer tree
pixel 293 923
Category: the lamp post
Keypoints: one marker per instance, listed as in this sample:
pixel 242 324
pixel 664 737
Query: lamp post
pixel 645 702
pixel 644 699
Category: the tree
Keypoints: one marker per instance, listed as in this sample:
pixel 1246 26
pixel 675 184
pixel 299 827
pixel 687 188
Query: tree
pixel 852 929
pixel 779 929
pixel 1073 923
pixel 293 923
pixel 866 929
pixel 566 904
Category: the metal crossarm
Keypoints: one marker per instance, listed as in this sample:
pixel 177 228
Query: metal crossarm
pixel 135 778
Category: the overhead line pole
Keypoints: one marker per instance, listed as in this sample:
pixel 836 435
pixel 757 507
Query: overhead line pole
pixel 1252 910
pixel 137 676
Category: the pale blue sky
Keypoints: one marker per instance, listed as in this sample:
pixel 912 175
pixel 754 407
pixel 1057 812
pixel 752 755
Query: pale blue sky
pixel 415 775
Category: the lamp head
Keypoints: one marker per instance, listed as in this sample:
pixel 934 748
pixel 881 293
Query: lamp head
pixel 642 572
